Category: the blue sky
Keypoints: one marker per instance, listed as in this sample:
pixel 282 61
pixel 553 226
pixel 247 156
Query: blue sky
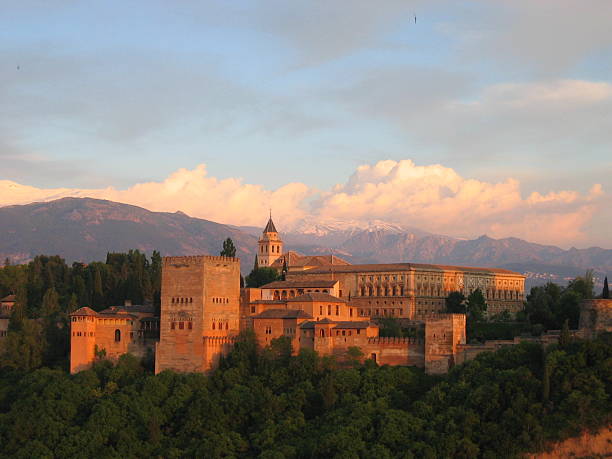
pixel 116 93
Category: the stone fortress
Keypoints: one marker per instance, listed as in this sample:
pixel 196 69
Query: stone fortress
pixel 325 304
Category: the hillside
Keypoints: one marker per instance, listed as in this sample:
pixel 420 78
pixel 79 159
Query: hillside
pixel 84 229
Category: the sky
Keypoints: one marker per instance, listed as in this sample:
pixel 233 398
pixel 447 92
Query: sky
pixel 481 117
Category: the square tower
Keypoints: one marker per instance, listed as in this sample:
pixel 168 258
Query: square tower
pixel 270 246
pixel 200 312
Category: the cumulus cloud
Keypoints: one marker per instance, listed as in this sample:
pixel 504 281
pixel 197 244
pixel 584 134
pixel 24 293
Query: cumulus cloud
pixel 433 197
pixel 191 191
pixel 439 200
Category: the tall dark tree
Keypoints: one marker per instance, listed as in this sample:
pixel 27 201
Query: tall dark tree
pixel 606 290
pixel 455 302
pixel 261 276
pixel 229 250
pixel 476 305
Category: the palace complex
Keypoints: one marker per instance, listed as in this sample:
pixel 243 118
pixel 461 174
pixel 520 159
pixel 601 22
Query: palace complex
pixel 325 304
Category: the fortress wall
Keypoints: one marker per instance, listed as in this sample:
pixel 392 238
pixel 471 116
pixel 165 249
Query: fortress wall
pixel 200 300
pixel 595 317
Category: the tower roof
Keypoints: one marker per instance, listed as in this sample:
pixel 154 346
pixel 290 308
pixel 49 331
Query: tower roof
pixel 270 228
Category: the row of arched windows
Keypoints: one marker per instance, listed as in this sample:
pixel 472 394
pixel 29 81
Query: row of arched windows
pixel 220 325
pixel 219 300
pixel 177 300
pixel 181 325
pixel 382 291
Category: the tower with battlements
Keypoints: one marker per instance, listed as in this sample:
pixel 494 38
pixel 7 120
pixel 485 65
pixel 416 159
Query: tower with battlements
pixel 200 312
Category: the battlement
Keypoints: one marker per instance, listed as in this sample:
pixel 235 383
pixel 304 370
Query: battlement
pixel 219 340
pixel 197 260
pixel 393 340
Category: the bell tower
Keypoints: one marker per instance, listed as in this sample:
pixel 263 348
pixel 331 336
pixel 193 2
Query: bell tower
pixel 270 245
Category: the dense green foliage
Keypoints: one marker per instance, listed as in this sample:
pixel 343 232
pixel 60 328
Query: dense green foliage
pixel 551 305
pixel 261 276
pixel 47 290
pixel 455 303
pixel 229 250
pixel 265 403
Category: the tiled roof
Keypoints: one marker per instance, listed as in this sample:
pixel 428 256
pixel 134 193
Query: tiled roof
pixel 283 314
pixel 295 259
pixel 406 267
pixel 355 324
pixel 143 308
pixel 345 324
pixel 270 228
pixel 8 299
pixel 315 283
pixel 314 296
pixel 84 311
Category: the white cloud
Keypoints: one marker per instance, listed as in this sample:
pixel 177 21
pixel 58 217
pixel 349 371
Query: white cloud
pixel 434 198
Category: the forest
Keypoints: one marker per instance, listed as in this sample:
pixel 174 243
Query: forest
pixel 266 403
pixel 269 403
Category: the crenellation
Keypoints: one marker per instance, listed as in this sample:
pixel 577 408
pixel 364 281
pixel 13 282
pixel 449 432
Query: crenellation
pixel 324 304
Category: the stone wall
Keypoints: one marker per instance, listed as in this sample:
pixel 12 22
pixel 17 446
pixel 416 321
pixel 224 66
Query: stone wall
pixel 595 317
pixel 200 311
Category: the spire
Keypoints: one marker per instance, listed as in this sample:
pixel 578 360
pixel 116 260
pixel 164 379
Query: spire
pixel 270 228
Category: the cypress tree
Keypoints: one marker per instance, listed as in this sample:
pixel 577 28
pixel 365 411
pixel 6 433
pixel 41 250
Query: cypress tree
pixel 606 290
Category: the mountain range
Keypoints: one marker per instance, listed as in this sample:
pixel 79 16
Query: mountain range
pixel 85 229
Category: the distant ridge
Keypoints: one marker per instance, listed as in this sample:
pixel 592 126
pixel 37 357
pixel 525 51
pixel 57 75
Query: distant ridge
pixel 85 229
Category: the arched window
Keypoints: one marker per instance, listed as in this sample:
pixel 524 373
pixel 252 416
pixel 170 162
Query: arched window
pixel 322 333
pixel 117 335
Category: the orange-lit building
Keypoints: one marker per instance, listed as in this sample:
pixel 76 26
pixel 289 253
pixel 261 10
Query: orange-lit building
pixel 324 303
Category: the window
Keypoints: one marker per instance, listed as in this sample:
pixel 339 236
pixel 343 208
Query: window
pixel 213 326
pixel 329 309
pixel 117 335
pixel 181 325
pixel 172 325
pixel 320 310
pixel 337 310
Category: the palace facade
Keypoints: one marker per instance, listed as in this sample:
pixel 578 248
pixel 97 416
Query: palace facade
pixel 324 303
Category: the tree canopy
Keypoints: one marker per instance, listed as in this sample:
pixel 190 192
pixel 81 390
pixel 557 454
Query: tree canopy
pixel 228 248
pixel 267 403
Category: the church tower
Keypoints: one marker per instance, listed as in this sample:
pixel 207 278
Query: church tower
pixel 270 246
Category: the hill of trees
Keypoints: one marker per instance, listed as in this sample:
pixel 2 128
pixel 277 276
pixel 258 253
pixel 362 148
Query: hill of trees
pixel 47 290
pixel 266 403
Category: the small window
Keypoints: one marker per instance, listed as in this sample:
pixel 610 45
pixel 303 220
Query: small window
pixel 189 325
pixel 172 326
pixel 181 325
pixel 117 335
pixel 213 325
